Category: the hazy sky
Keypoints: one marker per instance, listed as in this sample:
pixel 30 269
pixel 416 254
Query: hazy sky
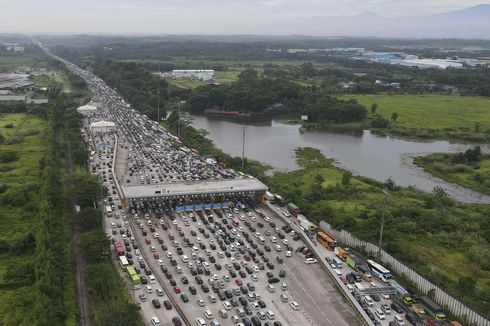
pixel 194 16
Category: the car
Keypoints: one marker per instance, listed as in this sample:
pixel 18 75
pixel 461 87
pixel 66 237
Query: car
pixel 142 297
pixel 147 241
pixel 238 282
pixel 261 303
pixel 177 290
pixel 156 303
pixel 184 298
pixel 192 290
pixel 159 292
pixel 396 307
pixel 167 304
pixel 156 256
pixel 311 261
pixel 204 288
pixel 282 273
pixel 200 302
pixel 177 322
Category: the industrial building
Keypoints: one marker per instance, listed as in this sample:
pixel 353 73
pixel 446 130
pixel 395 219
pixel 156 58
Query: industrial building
pixel 197 74
pixel 101 127
pixel 86 109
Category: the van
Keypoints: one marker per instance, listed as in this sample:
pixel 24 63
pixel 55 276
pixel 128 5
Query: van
pixel 200 322
pixel 294 305
pixel 215 323
pixel 337 263
pixel 149 289
pixel 261 239
pixel 399 321
pixel 223 313
pixel 359 286
pixel 240 312
pixel 379 314
pixel 369 301
pixel 155 321
pixel 270 314
pixel 411 318
pixel 350 288
pixel 271 288
pixel 208 314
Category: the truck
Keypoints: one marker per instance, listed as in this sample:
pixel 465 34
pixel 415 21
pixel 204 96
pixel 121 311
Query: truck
pixel 419 311
pixel 403 295
pixel 433 309
pixel 341 252
pixel 357 265
pixel 293 209
pixel 119 248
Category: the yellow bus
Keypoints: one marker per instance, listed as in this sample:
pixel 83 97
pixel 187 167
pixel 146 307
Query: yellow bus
pixel 326 240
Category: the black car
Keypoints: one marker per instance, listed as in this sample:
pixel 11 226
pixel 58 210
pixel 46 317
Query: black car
pixel 261 303
pixel 163 268
pixel 184 280
pixel 164 247
pixel 228 294
pixel 212 260
pixel 193 271
pixel 184 298
pixel 173 262
pixel 204 288
pixel 192 290
pixel 221 295
pixel 243 301
pixel 142 264
pixel 273 280
pixel 156 303
pixel 180 251
pixel 147 271
pixel 282 273
pixel 242 274
pixel 243 289
pixel 251 287
pixel 168 275
pixel 143 279
pixel 247 310
pixel 167 304
pixel 395 306
pixel 173 282
pixel 256 321
pixel 246 321
pixel 217 266
pixel 267 248
pixel 234 303
pixel 199 280
pixel 270 265
pixel 279 260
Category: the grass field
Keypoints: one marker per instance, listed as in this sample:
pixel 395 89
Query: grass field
pixel 18 220
pixel 418 231
pixel 450 116
pixel 474 176
pixel 9 62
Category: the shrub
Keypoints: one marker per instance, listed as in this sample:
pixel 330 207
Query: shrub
pixel 380 122
pixel 7 157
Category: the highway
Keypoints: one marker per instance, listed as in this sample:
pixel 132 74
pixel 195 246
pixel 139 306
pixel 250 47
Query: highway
pixel 147 155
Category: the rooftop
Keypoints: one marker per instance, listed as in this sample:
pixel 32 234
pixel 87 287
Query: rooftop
pixel 245 186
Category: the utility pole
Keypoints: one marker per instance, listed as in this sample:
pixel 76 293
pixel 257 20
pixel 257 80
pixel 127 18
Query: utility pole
pixel 158 106
pixel 243 147
pixel 386 193
pixel 178 121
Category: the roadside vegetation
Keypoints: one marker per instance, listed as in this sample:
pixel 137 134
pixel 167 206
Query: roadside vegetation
pixel 470 169
pixel 445 241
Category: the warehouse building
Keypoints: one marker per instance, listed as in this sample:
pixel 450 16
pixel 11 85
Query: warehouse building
pixel 196 74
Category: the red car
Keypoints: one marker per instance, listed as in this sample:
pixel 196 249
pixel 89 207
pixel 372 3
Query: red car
pixel 181 233
pixel 247 258
pixel 147 241
pixel 155 255
pixel 238 282
pixel 344 280
pixel 176 289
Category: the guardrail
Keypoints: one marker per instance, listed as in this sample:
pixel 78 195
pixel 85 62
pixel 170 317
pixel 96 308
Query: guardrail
pixel 361 314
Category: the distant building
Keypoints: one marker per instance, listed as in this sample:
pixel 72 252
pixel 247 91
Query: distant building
pixel 101 127
pixel 431 63
pixel 86 109
pixel 387 83
pixel 196 74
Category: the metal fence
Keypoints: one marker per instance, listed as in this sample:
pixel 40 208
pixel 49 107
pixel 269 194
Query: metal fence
pixel 444 299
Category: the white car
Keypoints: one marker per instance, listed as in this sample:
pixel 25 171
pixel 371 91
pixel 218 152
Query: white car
pixel 267 219
pixel 200 302
pixel 289 253
pixel 227 305
pixel 273 239
pixel 285 241
pixel 310 261
pixel 160 262
pixel 294 305
pixel 169 255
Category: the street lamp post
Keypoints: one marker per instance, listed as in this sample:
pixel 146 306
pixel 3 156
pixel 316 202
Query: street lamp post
pixel 158 107
pixel 386 193
pixel 243 147
pixel 178 121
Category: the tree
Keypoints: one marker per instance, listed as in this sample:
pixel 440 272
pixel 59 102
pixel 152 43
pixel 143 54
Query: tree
pixel 467 285
pixel 115 313
pixel 394 116
pixel 380 122
pixel 319 179
pixel 477 126
pixel 89 218
pixel 2 139
pixel 374 107
pixel 346 176
pixel 94 243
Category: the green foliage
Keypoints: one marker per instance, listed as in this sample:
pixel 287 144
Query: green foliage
pixel 394 116
pixel 380 122
pixel 374 107
pixel 88 190
pixel 89 218
pixel 94 243
pixel 8 156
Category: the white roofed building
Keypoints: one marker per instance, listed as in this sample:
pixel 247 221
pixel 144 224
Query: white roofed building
pixel 102 126
pixel 200 74
pixel 86 109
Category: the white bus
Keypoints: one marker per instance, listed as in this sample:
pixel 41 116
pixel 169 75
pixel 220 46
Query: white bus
pixel 123 261
pixel 108 210
pixel 379 271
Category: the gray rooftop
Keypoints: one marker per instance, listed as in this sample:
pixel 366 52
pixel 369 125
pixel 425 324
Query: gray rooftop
pixel 245 186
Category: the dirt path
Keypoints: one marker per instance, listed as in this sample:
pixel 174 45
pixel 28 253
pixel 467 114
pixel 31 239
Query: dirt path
pixel 83 297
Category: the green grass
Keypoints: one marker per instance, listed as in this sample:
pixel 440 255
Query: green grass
pixel 474 176
pixel 186 83
pixel 9 62
pixel 228 76
pixel 443 243
pixel 450 116
pixel 17 221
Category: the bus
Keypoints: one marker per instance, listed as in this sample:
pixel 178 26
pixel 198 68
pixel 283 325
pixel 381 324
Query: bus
pixel 119 248
pixel 379 271
pixel 326 240
pixel 235 222
pixel 433 309
pixel 108 210
pixel 123 261
pixel 133 276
